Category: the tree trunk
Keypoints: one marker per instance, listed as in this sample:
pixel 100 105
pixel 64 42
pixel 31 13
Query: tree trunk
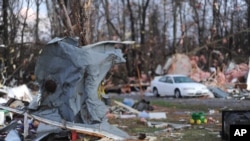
pixel 38 2
pixel 174 25
pixel 132 25
pixel 5 22
pixel 24 24
pixel 68 21
pixel 106 8
pixel 202 41
pixel 143 21
pixel 196 19
pixel 248 24
pixel 111 27
pixel 165 23
pixel 5 31
pixel 131 54
pixel 123 21
pixel 182 43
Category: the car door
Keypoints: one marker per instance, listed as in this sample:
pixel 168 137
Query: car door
pixel 161 86
pixel 169 86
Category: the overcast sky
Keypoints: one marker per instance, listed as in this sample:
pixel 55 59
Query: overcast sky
pixel 44 25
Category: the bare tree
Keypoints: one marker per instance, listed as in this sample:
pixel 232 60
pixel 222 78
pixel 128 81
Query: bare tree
pixel 5 22
pixel 24 22
pixel 112 30
pixel 132 24
pixel 200 22
pixel 38 3
pixel 165 23
pixel 14 19
pixel 76 18
pixel 123 21
pixel 54 17
pixel 175 7
pixel 248 24
pixel 156 26
pixel 143 7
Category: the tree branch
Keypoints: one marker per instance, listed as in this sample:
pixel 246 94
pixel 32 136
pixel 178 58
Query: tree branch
pixel 193 52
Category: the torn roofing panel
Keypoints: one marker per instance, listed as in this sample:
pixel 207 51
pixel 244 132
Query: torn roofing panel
pixel 69 77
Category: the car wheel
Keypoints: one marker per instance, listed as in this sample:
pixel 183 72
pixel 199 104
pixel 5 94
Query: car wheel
pixel 177 93
pixel 155 92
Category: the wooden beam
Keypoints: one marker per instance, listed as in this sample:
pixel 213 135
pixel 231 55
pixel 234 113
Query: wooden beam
pixel 127 107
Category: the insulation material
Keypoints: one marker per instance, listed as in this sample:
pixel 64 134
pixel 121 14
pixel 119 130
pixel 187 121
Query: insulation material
pixel 183 64
pixel 21 92
pixel 238 71
pixel 180 65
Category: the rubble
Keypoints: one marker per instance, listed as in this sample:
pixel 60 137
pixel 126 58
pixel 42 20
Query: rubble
pixel 69 104
pixel 215 76
pixel 68 77
pixel 218 93
pixel 218 80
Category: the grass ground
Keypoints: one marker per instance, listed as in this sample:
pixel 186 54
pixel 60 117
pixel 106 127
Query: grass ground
pixel 179 114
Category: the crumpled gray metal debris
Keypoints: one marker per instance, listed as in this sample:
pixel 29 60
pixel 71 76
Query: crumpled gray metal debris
pixel 69 77
pixel 44 130
pixel 13 136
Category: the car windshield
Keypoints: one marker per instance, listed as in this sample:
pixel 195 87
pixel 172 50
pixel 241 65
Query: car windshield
pixel 182 79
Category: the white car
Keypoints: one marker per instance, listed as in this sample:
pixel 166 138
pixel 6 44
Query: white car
pixel 177 86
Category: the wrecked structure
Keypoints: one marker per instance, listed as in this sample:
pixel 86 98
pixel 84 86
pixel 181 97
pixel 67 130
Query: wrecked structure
pixel 216 75
pixel 68 78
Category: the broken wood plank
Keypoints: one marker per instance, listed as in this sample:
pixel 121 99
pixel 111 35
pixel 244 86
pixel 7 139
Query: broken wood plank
pixel 79 128
pixel 174 125
pixel 127 107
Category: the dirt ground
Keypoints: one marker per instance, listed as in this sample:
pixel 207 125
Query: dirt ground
pixel 179 111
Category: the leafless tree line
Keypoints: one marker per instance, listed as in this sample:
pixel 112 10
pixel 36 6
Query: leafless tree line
pixel 159 27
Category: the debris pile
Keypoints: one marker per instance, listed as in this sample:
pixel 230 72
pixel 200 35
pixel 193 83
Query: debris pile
pixel 231 78
pixel 65 102
pixel 182 64
pixel 68 77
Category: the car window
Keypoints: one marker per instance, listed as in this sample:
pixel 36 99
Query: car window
pixel 166 79
pixel 182 79
pixel 163 79
pixel 169 80
pixel 177 79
